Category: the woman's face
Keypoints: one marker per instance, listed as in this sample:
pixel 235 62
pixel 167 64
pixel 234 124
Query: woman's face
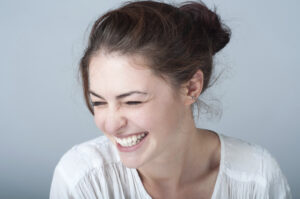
pixel 134 108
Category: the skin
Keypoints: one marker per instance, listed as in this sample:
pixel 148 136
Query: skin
pixel 166 161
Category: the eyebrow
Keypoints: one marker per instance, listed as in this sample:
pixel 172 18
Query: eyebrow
pixel 120 96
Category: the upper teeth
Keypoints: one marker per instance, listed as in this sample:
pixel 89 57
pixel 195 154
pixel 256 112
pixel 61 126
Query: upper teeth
pixel 130 141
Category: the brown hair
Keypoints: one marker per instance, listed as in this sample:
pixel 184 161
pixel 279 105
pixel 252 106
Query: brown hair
pixel 177 41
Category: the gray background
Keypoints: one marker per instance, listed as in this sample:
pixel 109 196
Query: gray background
pixel 42 113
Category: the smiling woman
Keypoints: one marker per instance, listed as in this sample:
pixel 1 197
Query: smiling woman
pixel 145 129
pixel 144 68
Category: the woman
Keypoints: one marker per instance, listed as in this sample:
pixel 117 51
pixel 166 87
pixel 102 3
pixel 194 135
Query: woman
pixel 144 68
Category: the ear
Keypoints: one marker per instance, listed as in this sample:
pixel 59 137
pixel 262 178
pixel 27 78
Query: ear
pixel 193 88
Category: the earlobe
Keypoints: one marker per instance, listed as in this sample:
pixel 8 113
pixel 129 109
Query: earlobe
pixel 193 87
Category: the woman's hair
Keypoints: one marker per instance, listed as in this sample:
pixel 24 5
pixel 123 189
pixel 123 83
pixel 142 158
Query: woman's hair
pixel 175 41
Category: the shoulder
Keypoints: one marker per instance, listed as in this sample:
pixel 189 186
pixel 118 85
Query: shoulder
pixel 243 156
pixel 252 164
pixel 82 160
pixel 93 169
pixel 245 161
pixel 88 155
pixel 98 151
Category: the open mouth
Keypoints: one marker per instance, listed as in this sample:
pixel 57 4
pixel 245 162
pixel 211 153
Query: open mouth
pixel 131 140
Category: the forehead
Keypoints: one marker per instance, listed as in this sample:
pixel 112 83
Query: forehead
pixel 113 72
pixel 117 61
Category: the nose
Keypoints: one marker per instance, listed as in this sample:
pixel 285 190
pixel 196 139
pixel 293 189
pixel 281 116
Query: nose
pixel 114 122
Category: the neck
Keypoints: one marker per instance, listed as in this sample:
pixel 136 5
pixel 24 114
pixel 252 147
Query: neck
pixel 179 165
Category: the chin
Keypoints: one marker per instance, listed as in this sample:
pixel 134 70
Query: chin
pixel 131 163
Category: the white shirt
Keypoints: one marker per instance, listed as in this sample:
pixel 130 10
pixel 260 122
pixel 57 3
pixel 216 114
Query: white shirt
pixel 93 170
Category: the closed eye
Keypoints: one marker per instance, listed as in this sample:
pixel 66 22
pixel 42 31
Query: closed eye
pixel 129 103
pixel 133 102
pixel 97 103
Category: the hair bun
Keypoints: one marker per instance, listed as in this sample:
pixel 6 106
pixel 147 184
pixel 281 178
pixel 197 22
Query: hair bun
pixel 210 22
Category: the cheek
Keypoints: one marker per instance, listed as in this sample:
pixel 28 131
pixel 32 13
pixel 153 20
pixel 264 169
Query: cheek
pixel 156 117
pixel 140 118
pixel 167 116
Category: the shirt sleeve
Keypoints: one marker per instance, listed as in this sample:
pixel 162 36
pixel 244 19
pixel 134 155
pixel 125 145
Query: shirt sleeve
pixel 59 186
pixel 65 187
pixel 66 176
pixel 278 185
pixel 75 177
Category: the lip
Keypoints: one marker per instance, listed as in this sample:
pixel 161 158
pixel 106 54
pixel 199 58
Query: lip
pixel 131 148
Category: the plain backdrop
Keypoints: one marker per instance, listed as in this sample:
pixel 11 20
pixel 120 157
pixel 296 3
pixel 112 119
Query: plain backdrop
pixel 42 112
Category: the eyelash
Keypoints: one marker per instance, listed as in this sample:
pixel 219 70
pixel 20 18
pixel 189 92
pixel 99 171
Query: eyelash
pixel 128 103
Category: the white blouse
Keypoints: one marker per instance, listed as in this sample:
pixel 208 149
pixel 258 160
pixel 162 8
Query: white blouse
pixel 93 170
